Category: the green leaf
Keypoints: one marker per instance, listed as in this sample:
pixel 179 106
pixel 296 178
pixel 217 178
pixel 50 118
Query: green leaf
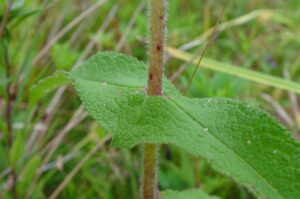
pixel 21 14
pixel 17 150
pixel 63 56
pixel 187 194
pixel 238 140
pixel 3 153
pixel 29 172
pixel 43 87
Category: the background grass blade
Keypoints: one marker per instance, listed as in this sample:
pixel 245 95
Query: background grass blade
pixel 237 71
pixel 187 194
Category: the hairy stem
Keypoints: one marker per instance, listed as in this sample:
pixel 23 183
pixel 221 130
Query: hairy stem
pixel 156 46
pixel 155 74
pixel 150 190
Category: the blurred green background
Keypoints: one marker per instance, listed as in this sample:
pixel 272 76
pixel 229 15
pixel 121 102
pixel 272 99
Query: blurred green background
pixel 53 134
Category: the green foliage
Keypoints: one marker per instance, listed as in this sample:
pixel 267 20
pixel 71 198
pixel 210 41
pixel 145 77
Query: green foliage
pixel 29 172
pixel 19 12
pixel 44 86
pixel 63 56
pixel 188 194
pixel 17 150
pixel 236 139
pixel 265 43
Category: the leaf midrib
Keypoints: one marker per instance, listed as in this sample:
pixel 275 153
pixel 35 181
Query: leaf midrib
pixel 237 154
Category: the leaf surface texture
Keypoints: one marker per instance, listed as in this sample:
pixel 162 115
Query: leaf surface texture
pixel 238 140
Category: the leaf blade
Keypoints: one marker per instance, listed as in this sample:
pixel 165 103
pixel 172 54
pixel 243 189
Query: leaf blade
pixel 44 86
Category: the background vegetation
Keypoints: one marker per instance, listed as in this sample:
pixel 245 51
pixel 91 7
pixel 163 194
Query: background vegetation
pixel 53 134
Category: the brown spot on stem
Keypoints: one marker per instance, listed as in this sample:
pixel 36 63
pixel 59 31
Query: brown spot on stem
pixel 150 76
pixel 158 47
pixel 161 17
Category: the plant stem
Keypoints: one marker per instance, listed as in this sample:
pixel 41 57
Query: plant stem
pixel 155 74
pixel 8 115
pixel 5 18
pixel 9 98
pixel 156 46
pixel 9 101
pixel 150 189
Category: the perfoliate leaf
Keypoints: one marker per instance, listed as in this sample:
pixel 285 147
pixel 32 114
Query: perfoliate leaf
pixel 44 86
pixel 238 140
pixel 187 194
